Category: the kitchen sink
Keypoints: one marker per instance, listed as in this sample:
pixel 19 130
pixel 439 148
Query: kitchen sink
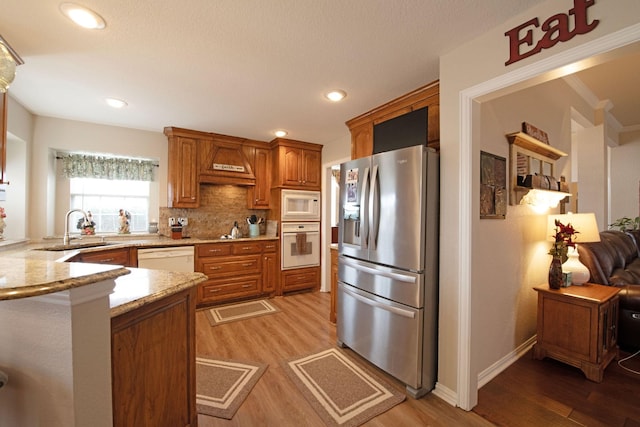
pixel 72 246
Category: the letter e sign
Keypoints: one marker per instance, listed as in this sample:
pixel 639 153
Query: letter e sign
pixel 556 28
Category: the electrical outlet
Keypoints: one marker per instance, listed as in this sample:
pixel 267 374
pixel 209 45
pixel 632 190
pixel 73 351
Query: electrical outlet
pixel 183 221
pixel 172 221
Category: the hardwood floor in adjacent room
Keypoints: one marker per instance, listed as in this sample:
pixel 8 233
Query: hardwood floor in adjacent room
pixel 529 393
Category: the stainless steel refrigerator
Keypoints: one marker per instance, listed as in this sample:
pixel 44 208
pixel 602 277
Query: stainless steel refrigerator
pixel 387 299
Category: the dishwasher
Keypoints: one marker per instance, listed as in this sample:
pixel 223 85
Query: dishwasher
pixel 178 258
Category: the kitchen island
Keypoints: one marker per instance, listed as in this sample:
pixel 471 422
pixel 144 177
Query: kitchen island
pixel 89 344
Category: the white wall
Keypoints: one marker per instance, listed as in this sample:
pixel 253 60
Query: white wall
pixel 625 177
pixel 469 75
pixel 52 134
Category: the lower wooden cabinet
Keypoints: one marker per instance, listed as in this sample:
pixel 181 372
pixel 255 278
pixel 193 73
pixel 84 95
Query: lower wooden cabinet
pixel 126 257
pixel 153 363
pixel 236 270
pixel 578 326
pixel 300 279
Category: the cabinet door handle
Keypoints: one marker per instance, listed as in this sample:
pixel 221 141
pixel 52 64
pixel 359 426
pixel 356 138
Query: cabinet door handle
pixel 215 268
pixel 246 286
pixel 213 290
pixel 106 260
pixel 213 251
pixel 247 264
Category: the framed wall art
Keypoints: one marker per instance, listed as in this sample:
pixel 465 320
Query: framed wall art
pixel 493 186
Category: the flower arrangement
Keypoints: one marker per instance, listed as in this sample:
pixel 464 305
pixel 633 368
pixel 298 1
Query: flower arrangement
pixel 563 240
pixel 2 213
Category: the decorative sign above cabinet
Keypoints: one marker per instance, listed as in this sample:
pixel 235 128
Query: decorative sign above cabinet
pixel 557 28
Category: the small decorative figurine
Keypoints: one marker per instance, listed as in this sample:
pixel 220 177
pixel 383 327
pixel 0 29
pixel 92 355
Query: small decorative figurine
pixel 124 222
pixel 3 224
pixel 87 226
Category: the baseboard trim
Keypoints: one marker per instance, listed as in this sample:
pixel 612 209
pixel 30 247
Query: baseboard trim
pixel 446 394
pixel 494 370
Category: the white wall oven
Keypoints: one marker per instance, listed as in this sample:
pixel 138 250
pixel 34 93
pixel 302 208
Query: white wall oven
pixel 300 205
pixel 300 245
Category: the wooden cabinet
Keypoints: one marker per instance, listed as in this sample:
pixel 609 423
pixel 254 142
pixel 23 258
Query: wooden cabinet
pixel 296 164
pixel 361 127
pixel 300 279
pixel 578 326
pixel 209 158
pixel 126 257
pixel 153 363
pixel 270 271
pixel 259 196
pixel 236 270
pixel 183 189
pixel 334 283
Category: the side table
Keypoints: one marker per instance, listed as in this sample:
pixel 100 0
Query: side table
pixel 578 326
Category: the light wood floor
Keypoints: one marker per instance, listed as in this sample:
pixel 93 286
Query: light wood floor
pixel 529 393
pixel 301 328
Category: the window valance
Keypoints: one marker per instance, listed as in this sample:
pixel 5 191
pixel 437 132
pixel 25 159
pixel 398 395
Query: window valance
pixel 88 166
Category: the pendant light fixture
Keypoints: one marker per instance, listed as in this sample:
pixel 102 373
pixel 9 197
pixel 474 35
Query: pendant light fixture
pixel 9 60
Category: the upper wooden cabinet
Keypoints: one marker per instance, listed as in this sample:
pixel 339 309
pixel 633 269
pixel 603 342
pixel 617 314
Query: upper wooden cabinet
pixel 259 196
pixel 182 173
pixel 208 158
pixel 361 127
pixel 296 164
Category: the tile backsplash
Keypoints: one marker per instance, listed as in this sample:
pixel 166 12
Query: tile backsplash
pixel 220 206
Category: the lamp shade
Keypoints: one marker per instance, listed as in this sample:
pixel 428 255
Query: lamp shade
pixel 584 223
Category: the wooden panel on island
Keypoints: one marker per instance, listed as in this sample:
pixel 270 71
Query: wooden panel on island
pixel 153 363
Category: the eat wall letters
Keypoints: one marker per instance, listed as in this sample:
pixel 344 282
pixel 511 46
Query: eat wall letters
pixel 557 28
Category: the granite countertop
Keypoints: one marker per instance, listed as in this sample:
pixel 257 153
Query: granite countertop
pixel 143 286
pixel 26 270
pixel 24 277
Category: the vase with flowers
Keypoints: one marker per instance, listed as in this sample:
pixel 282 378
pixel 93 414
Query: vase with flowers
pixel 563 239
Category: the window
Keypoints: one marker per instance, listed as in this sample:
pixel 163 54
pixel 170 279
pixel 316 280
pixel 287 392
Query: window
pixel 104 198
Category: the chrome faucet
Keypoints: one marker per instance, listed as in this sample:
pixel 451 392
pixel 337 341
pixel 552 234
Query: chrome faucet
pixel 67 238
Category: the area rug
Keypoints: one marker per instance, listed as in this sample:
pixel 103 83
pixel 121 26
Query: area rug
pixel 240 311
pixel 342 392
pixel 222 385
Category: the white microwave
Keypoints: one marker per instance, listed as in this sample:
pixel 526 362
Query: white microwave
pixel 300 205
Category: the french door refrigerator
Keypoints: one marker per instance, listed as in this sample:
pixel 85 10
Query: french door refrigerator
pixel 388 259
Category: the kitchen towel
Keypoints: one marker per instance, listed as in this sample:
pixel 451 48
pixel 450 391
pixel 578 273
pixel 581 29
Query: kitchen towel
pixel 301 244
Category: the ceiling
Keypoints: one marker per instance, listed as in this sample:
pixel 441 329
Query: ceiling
pixel 241 67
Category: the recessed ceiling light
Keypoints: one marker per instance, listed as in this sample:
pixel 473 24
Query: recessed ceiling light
pixel 336 95
pixel 116 103
pixel 86 18
pixel 280 133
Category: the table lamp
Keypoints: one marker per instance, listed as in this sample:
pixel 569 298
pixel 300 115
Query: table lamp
pixel 587 231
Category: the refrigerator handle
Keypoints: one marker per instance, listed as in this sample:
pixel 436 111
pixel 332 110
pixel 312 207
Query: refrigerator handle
pixel 374 209
pixel 364 229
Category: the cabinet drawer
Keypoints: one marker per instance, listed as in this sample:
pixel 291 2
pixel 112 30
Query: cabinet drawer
pixel 223 266
pixel 214 290
pixel 269 246
pixel 242 248
pixel 113 256
pixel 214 249
pixel 305 278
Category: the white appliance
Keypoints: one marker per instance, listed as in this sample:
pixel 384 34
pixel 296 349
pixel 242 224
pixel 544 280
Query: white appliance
pixel 300 205
pixel 177 258
pixel 300 245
